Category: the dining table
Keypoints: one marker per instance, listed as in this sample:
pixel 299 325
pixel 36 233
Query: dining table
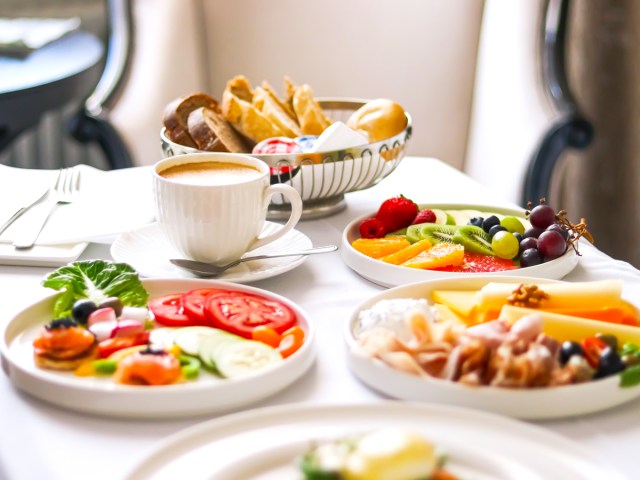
pixel 39 440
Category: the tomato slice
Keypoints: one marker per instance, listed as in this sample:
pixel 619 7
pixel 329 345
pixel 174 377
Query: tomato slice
pixel 240 313
pixel 193 303
pixel 168 311
pixel 111 345
pixel 593 348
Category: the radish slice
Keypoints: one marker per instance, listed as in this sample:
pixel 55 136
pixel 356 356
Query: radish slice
pixel 125 328
pixel 106 314
pixel 103 330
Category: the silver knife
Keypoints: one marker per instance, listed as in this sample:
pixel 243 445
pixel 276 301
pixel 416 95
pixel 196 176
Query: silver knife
pixel 30 203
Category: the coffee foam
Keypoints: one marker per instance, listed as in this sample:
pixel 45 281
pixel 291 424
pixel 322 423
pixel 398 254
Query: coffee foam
pixel 210 173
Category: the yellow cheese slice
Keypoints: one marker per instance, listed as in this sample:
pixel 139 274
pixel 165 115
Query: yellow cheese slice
pixel 460 301
pixel 565 327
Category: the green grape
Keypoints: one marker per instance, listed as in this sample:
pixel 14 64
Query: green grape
pixel 505 245
pixel 512 224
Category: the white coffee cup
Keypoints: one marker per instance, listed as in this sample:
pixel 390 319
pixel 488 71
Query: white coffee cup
pixel 212 207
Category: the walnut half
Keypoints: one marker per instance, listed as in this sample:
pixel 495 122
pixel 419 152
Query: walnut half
pixel 528 296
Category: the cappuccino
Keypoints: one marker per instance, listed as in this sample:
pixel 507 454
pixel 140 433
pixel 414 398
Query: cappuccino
pixel 210 173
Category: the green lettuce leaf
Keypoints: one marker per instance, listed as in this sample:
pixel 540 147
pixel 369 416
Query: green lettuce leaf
pixel 95 280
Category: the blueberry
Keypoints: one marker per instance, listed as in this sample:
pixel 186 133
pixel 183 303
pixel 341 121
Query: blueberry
pixel 530 257
pixel 569 349
pixel 490 222
pixel 495 229
pixel 476 222
pixel 518 236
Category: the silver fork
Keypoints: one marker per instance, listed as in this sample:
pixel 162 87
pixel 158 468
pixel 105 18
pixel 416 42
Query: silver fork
pixel 63 192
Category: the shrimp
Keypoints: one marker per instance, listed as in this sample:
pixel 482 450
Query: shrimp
pixel 148 367
pixel 63 339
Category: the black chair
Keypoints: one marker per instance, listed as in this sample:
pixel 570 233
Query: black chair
pixel 91 123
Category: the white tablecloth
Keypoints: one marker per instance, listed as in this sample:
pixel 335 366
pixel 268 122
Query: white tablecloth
pixel 39 441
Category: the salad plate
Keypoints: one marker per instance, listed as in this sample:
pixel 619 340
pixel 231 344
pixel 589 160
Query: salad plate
pixel 528 403
pixel 101 396
pixel 264 444
pixel 388 275
pixel 147 250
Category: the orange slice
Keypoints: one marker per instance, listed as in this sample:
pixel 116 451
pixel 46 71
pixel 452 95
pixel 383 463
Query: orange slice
pixel 407 253
pixel 440 255
pixel 380 247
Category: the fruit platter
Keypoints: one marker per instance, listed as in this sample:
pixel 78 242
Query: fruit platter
pixel 405 242
pixel 111 344
pixel 524 347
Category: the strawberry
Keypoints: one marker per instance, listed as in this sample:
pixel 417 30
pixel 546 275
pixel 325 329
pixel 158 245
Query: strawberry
pixel 372 228
pixel 396 213
pixel 425 216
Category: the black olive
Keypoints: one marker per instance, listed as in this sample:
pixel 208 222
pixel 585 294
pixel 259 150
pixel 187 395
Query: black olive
pixel 82 309
pixel 569 349
pixel 112 302
pixel 609 364
pixel 610 340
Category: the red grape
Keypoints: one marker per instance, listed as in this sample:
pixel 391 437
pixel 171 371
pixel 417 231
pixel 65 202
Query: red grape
pixel 533 232
pixel 529 242
pixel 542 216
pixel 560 229
pixel 551 244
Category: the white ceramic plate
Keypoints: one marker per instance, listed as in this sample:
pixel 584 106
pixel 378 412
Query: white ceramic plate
pixel 147 250
pixel 101 396
pixel 263 444
pixel 389 275
pixel 539 403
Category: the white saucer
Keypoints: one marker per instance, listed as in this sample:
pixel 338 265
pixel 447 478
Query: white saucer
pixel 146 250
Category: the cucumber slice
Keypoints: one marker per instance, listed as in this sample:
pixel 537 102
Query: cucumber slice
pixel 237 359
pixel 189 338
pixel 209 345
pixel 162 337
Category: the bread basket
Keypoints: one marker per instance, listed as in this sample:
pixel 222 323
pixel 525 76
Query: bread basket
pixel 323 178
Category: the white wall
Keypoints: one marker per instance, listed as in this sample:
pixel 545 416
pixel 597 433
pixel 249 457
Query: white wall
pixel 420 53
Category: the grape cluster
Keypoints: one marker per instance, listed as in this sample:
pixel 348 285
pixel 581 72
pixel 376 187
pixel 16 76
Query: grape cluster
pixel 504 235
pixel 545 240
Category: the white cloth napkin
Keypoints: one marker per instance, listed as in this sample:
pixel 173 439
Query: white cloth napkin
pixel 108 203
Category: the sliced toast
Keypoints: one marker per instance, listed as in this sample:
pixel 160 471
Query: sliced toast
pixel 176 116
pixel 211 132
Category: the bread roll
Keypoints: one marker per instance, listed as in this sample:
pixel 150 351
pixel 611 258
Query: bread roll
pixel 176 116
pixel 212 133
pixel 379 119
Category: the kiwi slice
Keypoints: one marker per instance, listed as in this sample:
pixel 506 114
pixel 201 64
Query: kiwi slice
pixel 436 232
pixel 413 233
pixel 398 233
pixel 473 239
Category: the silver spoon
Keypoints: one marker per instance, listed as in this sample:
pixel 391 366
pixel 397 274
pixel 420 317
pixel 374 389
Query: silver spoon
pixel 204 269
